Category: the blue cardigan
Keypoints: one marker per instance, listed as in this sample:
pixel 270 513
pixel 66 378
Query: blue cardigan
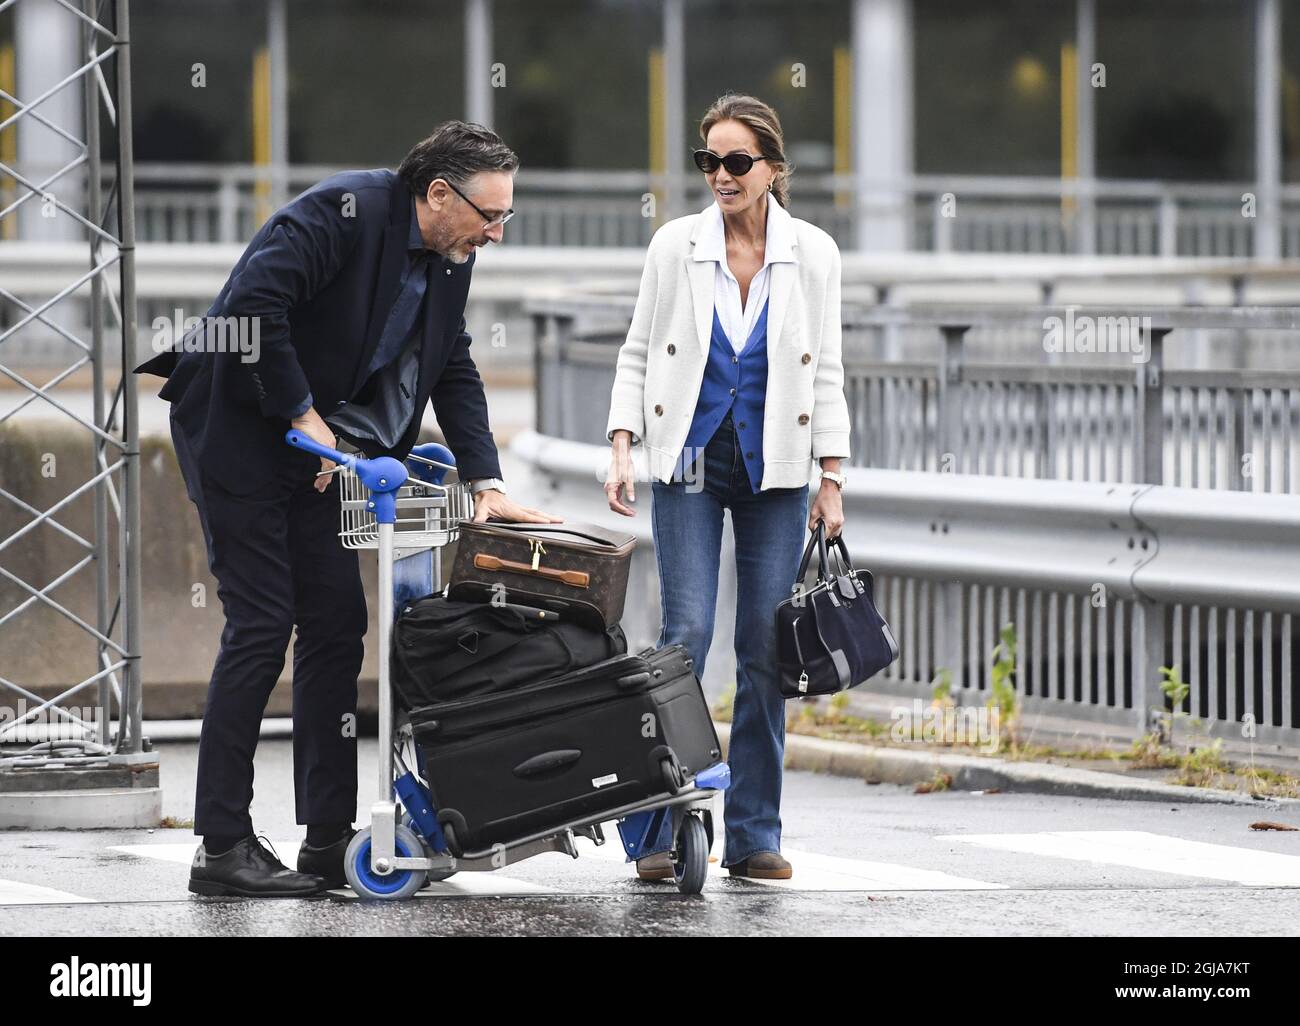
pixel 736 382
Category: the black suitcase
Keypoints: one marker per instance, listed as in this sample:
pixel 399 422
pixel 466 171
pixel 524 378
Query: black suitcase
pixel 444 650
pixel 508 766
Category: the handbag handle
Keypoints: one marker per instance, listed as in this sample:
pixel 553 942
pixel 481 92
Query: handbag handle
pixel 818 539
pixel 837 543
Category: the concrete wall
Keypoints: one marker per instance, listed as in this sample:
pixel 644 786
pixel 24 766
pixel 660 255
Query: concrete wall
pixel 182 618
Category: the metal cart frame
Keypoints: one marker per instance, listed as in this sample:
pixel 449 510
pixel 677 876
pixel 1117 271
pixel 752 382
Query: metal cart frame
pixel 404 511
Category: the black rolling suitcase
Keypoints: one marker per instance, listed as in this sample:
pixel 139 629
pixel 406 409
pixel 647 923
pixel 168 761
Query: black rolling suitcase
pixel 506 766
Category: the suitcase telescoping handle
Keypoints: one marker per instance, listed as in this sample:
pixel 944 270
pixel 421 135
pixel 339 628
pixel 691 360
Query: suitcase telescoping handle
pixel 576 578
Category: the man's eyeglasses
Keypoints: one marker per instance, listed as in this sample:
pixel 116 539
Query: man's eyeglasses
pixel 737 164
pixel 488 222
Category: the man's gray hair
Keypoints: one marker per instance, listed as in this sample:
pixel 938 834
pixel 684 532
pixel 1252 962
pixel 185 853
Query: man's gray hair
pixel 456 151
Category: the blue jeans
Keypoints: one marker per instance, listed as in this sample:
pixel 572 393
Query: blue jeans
pixel 770 529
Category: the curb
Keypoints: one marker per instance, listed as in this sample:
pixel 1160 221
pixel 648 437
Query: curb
pixel 972 773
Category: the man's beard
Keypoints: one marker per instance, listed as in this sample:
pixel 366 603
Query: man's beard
pixel 450 248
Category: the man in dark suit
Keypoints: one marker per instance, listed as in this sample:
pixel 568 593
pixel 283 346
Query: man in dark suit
pixel 354 296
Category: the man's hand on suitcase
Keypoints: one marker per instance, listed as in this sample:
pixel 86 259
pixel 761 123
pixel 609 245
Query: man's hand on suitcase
pixel 311 425
pixel 493 503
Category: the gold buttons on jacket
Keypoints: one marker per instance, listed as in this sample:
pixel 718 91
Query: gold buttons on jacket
pixel 803 418
pixel 659 410
pixel 806 358
pixel 671 349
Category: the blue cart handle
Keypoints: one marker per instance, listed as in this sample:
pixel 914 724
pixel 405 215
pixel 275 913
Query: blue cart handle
pixel 383 476
pixel 301 440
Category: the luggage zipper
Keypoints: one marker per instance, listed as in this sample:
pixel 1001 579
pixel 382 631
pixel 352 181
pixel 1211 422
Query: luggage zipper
pixel 586 545
pixel 576 677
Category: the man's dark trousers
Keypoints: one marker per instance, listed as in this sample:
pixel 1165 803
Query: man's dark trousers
pixel 278 561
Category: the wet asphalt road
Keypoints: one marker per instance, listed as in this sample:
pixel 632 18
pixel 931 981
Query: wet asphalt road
pixel 869 860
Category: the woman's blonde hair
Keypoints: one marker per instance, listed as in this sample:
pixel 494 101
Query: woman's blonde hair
pixel 761 119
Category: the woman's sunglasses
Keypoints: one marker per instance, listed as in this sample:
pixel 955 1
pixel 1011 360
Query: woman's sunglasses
pixel 736 163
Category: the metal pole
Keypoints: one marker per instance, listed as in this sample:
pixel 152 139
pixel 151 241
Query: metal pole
pixel 882 123
pixel 674 107
pixel 1148 656
pixel 94 198
pixel 1268 127
pixel 478 61
pixel 1150 394
pixel 277 46
pixel 950 426
pixel 950 397
pixel 132 691
pixel 383 812
pixel 1085 126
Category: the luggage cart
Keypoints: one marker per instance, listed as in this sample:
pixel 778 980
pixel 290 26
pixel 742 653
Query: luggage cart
pixel 408 512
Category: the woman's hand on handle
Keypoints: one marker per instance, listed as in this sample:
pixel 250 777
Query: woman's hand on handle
pixel 311 425
pixel 828 506
pixel 621 474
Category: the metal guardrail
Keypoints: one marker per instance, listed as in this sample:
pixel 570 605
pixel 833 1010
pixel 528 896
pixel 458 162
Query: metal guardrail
pixel 1086 417
pixel 1103 584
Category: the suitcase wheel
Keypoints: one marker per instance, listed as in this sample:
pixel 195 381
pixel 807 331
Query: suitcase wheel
pixel 690 856
pixel 673 777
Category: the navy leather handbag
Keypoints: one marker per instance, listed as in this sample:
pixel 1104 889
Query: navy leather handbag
pixel 830 637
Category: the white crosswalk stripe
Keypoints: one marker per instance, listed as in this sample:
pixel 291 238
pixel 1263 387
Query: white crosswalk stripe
pixel 14 892
pixel 467 884
pixel 1161 853
pixel 815 872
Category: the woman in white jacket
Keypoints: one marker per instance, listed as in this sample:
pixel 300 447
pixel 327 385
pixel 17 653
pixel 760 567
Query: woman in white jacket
pixel 732 381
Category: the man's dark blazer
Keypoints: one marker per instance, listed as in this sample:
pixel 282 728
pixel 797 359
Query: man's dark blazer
pixel 322 275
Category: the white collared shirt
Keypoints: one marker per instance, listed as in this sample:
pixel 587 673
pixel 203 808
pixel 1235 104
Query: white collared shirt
pixel 737 322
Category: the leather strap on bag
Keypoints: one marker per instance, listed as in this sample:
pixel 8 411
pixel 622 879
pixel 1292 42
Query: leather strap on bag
pixel 576 578
pixel 818 541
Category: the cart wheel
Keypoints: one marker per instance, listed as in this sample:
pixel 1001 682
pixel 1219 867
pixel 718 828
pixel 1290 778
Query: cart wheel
pixel 673 778
pixel 434 875
pixel 691 861
pixel 395 886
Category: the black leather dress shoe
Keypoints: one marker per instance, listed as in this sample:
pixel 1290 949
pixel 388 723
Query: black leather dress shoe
pixel 250 870
pixel 327 861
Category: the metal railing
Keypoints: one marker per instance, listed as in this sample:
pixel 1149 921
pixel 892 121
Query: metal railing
pixel 1104 585
pixel 1105 416
pixel 189 203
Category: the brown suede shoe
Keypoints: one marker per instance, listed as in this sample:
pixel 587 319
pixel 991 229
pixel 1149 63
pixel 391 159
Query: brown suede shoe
pixel 655 867
pixel 765 865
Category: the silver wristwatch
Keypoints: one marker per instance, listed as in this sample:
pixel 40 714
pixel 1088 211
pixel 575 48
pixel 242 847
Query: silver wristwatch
pixel 484 484
pixel 831 475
